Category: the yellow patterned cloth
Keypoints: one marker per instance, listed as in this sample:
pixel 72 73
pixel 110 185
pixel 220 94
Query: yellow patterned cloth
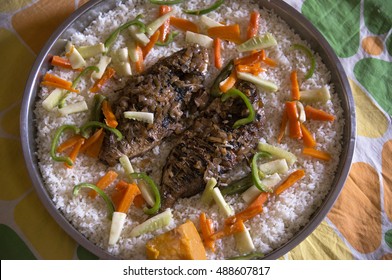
pixel 360 224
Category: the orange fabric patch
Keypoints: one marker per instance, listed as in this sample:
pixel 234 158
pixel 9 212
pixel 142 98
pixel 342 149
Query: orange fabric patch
pixel 356 213
pixel 387 177
pixel 372 45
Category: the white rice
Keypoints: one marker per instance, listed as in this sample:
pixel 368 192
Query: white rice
pixel 283 215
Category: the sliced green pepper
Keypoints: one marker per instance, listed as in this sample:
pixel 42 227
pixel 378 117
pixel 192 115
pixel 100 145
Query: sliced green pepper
pixel 96 112
pixel 56 139
pixel 169 40
pixel 238 186
pixel 310 55
pixel 88 125
pixel 166 2
pixel 143 176
pixel 113 36
pixel 250 256
pixel 211 8
pixel 109 203
pixel 257 175
pixel 226 71
pixel 233 92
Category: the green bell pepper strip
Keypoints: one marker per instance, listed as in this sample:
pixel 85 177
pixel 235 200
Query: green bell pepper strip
pixel 101 193
pixel 310 55
pixel 76 81
pixel 257 175
pixel 238 186
pixel 169 39
pixel 233 92
pixel 250 256
pixel 56 139
pixel 226 71
pixel 211 8
pixel 113 36
pixel 166 2
pixel 88 125
pixel 143 176
pixel 96 112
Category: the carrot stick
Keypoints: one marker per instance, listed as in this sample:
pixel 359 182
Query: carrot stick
pixel 104 182
pixel 283 125
pixel 294 85
pixel 139 201
pixel 217 53
pixel 318 115
pixel 246 214
pixel 110 118
pixel 253 26
pixel 68 143
pixel 123 195
pixel 251 59
pixel 254 69
pixel 91 140
pixel 227 230
pixel 57 80
pixel 75 151
pixel 316 153
pixel 51 84
pixel 227 32
pixel 292 116
pixel 270 62
pixel 308 138
pixel 153 39
pixel 107 75
pixel 95 148
pixel 229 82
pixel 60 62
pixel 259 200
pixel 291 180
pixel 207 231
pixel 184 24
pixel 140 62
pixel 165 28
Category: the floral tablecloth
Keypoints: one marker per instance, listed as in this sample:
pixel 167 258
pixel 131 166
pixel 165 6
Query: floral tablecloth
pixel 360 223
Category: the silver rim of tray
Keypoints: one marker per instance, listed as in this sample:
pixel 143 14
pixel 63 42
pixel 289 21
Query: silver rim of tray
pixel 83 16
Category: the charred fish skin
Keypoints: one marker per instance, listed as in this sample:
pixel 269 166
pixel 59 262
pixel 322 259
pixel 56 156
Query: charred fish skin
pixel 172 89
pixel 212 147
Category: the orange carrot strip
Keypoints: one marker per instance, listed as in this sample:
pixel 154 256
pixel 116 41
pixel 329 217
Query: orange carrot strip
pixel 68 143
pixel 51 84
pixel 57 80
pixel 316 153
pixel 139 201
pixel 217 53
pixel 291 180
pixel 251 59
pixel 253 26
pixel 229 33
pixel 140 63
pixel 123 196
pixel 60 62
pixel 104 182
pixel 283 125
pixel 207 231
pixel 259 200
pixel 75 151
pixel 318 115
pixel 165 28
pixel 254 69
pixel 246 214
pixel 229 82
pixel 91 140
pixel 110 118
pixel 184 24
pixel 270 62
pixel 308 138
pixel 95 148
pixel 292 116
pixel 227 230
pixel 294 85
pixel 107 75
pixel 153 39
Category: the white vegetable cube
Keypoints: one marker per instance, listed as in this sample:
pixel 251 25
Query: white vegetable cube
pixel 102 64
pixel 75 58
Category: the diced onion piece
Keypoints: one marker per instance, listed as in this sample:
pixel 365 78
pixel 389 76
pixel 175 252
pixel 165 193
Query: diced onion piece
pixel 138 36
pixel 118 220
pixel 90 51
pixel 140 116
pixel 154 25
pixel 264 84
pixel 244 242
pixel 275 166
pixel 74 108
pixel 277 152
pixel 159 221
pixel 196 38
pixel 270 182
pixel 75 58
pixel 257 43
pixel 53 99
pixel 102 64
pixel 206 197
pixel 301 112
pixel 223 206
pixel 315 95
